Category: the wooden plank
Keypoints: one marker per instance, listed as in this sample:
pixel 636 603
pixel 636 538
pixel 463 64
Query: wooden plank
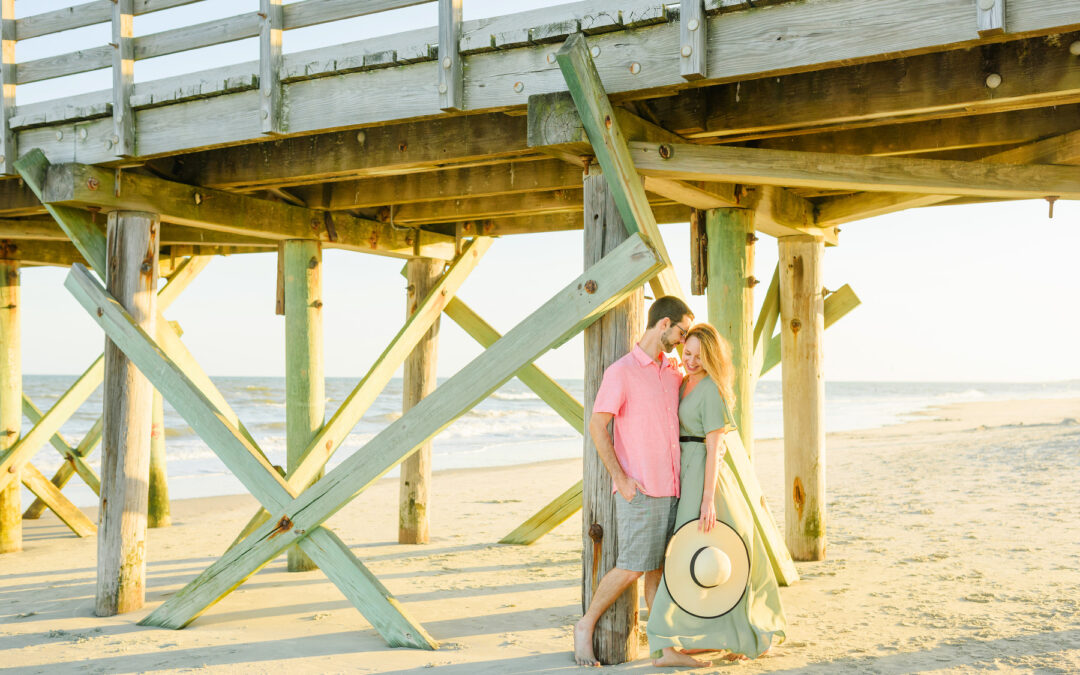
pixel 418 380
pixel 851 172
pixel 271 25
pixel 157 509
pixel 245 460
pixel 699 253
pixel 765 325
pixel 549 517
pixel 305 386
pixel 84 14
pixel 50 495
pixel 10 413
pixel 41 252
pixel 9 149
pixel 451 69
pixel 780 212
pixel 125 464
pixel 990 17
pixel 478 208
pixel 612 153
pixel 66 470
pixel 698 196
pixel 831 211
pixel 837 305
pixel 88 186
pixel 565 314
pixel 802 324
pixel 314 12
pixel 693 38
pixel 73 460
pixel 123 78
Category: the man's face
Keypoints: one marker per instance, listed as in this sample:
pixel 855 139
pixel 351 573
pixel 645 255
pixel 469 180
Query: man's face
pixel 675 334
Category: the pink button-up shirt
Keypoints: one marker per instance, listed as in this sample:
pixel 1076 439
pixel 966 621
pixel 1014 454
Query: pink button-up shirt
pixel 644 397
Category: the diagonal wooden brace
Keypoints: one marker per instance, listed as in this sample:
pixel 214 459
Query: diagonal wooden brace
pixel 67 470
pixel 50 495
pixel 570 311
pixel 75 461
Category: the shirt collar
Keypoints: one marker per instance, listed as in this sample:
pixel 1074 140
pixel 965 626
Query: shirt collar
pixel 644 359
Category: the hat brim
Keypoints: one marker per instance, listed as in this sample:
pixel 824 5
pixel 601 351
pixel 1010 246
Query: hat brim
pixel 706 603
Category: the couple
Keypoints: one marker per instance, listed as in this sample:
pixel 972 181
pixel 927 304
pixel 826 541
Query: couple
pixel 666 465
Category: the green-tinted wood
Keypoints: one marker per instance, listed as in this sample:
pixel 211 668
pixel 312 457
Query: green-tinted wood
pixel 10 408
pixel 305 388
pixel 837 304
pixel 731 303
pixel 609 144
pixel 73 459
pixel 157 509
pixel 50 495
pixel 765 325
pixel 567 313
pixel 66 470
pixel 237 452
pixel 546 519
pixel 50 422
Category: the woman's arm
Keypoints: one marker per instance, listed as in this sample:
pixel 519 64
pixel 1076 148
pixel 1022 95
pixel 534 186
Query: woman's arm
pixel 714 452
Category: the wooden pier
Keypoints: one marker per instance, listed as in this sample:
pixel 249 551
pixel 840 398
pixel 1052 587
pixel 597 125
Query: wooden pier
pixel 746 121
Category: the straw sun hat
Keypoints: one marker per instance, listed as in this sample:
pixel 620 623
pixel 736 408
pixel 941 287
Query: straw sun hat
pixel 706 573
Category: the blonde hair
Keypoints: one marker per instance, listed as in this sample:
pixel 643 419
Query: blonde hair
pixel 716 359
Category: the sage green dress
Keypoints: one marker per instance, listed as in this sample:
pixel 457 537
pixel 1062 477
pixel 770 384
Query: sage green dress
pixel 758 618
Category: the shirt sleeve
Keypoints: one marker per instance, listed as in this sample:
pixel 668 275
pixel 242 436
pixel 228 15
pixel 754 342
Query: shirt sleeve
pixel 715 414
pixel 612 395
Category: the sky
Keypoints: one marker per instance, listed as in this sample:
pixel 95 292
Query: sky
pixel 962 293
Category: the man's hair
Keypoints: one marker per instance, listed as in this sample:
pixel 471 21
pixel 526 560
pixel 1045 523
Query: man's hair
pixel 668 307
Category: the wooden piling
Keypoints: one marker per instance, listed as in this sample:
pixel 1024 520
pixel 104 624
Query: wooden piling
pixel 802 325
pixel 418 382
pixel 731 303
pixel 607 340
pixel 131 278
pixel 10 402
pixel 305 388
pixel 157 513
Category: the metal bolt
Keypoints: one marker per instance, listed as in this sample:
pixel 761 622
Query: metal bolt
pixel 108 144
pixel 92 183
pixel 59 135
pixel 687 50
pixel 317 304
pixel 665 151
pixel 361 136
pixel 595 51
pixel 692 25
pixel 590 286
pixel 267 91
pixel 607 121
pixel 313 263
pixel 82 134
pixel 116 139
pixel 551 57
pixel 993 80
pixel 986 4
pixel 519 86
pixel 447 62
pixel 442 87
pixel 145 267
pixel 795 325
pixel 1074 48
pixel 100 311
pixel 467 227
pixel 198 199
pixel 752 281
pixel 402 147
pixel 751 238
pixel 635 68
pixel 265 114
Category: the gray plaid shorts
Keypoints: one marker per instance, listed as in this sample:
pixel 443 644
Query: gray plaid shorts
pixel 644 526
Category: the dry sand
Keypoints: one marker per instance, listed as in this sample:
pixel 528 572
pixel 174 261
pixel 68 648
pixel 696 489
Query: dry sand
pixel 954 543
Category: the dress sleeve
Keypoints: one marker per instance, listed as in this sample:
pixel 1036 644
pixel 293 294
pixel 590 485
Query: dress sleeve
pixel 611 395
pixel 715 414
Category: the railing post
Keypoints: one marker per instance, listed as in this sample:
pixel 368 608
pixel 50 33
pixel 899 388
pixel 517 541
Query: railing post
pixel 122 142
pixel 692 39
pixel 270 61
pixel 451 74
pixel 9 151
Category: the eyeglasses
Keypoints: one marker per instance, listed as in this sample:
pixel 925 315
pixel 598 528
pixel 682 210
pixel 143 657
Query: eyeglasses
pixel 681 330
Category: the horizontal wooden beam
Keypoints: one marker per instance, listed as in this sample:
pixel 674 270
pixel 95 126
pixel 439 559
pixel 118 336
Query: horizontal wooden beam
pixel 48 230
pixel 1031 73
pixel 88 186
pixel 824 170
pixel 558 222
pixel 60 253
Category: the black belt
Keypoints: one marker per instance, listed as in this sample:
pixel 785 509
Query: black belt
pixel 692 439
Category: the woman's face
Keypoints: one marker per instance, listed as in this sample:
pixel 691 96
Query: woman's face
pixel 691 355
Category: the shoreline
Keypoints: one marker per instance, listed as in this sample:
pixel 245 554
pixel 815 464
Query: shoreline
pixel 950 541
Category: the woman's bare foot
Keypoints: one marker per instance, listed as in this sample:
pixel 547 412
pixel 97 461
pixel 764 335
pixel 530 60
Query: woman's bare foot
pixel 674 657
pixel 583 653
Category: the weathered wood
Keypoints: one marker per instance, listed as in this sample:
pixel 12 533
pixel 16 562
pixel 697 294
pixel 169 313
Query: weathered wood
pixel 549 517
pixel 305 387
pixel 419 377
pixel 837 305
pixel 66 470
pixel 314 12
pixel 692 39
pixel 451 70
pixel 123 78
pixel 271 25
pixel 851 172
pixel 698 196
pixel 609 339
pixel 50 495
pixel 782 213
pixel 565 314
pixel 125 467
pixel 157 510
pixel 612 153
pixel 59 253
pixel 72 459
pixel 9 149
pixel 84 14
pixel 477 208
pixel 990 17
pixel 802 323
pixel 82 185
pixel 699 253
pixel 765 325
pixel 731 303
pixel 10 412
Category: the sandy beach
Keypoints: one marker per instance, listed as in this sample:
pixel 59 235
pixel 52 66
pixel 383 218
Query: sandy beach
pixel 953 548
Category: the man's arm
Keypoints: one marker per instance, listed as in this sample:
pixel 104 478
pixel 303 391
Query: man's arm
pixel 598 431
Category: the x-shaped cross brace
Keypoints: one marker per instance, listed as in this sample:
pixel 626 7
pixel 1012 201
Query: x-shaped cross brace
pixel 298 515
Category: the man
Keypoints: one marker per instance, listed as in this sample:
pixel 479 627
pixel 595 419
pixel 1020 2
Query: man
pixel 640 392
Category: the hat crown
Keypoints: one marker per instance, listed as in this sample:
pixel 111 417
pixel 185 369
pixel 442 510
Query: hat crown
pixel 710 567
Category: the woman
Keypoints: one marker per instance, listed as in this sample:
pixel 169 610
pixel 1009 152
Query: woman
pixel 710 492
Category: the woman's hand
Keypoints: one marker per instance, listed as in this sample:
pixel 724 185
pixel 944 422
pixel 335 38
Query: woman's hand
pixel 708 514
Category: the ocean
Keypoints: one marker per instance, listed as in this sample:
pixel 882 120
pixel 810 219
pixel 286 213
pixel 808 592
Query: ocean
pixel 512 426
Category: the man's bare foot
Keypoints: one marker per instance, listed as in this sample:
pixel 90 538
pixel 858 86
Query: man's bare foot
pixel 732 656
pixel 696 651
pixel 673 657
pixel 583 653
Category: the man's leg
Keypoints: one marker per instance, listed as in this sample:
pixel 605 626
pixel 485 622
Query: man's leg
pixel 609 589
pixel 652 582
